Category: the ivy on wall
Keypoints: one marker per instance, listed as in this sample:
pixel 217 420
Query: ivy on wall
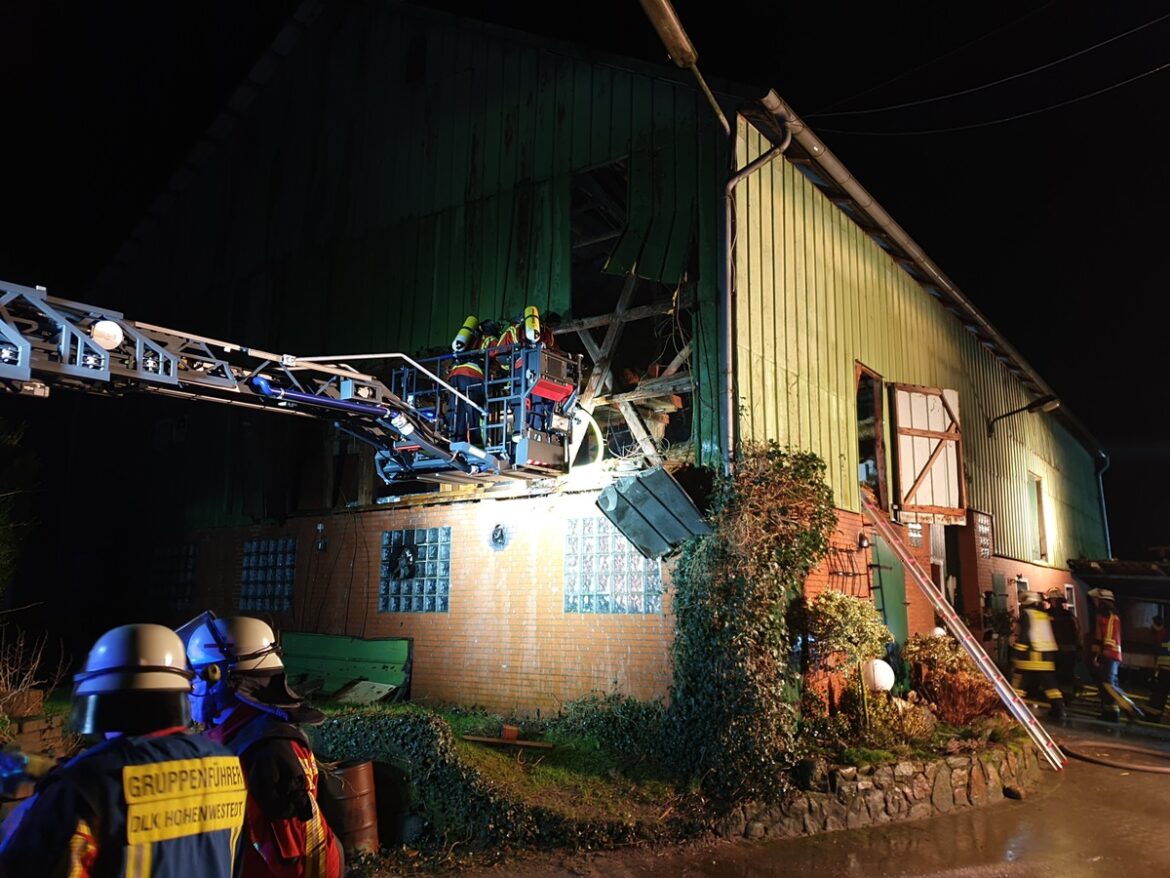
pixel 734 708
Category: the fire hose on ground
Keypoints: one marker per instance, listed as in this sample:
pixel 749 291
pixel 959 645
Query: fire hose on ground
pixel 1114 763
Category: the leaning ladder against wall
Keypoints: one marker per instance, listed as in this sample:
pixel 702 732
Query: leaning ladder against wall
pixel 1007 694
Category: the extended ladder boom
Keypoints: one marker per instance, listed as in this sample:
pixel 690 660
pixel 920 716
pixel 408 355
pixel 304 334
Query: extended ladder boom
pixel 48 342
pixel 1014 703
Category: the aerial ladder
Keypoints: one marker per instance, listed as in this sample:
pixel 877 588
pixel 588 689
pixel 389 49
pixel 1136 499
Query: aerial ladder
pixel 1010 698
pixel 48 343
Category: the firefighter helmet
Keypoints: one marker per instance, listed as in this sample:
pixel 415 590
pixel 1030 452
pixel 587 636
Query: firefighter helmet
pixel 241 644
pixel 227 654
pixel 135 680
pixel 1101 594
pixel 1031 599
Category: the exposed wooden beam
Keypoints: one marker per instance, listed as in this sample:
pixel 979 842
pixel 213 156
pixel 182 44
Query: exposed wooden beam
pixel 612 333
pixel 665 386
pixel 679 358
pixel 639 313
pixel 639 432
pixel 594 351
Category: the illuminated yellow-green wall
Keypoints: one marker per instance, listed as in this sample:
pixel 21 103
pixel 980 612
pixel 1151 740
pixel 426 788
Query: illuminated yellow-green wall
pixel 816 295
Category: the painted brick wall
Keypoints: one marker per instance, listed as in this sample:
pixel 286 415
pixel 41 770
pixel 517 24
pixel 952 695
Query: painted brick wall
pixel 506 643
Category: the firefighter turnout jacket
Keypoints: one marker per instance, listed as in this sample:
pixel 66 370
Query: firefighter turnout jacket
pixel 1107 639
pixel 1033 639
pixel 286 834
pixel 472 367
pixel 1162 634
pixel 163 805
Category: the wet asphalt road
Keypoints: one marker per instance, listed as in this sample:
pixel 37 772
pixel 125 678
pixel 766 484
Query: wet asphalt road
pixel 1088 820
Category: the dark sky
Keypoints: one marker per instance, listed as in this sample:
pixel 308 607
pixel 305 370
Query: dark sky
pixel 1052 224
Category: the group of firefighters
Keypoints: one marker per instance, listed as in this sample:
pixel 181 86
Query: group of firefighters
pixel 154 798
pixel 1048 643
pixel 480 343
pixel 239 799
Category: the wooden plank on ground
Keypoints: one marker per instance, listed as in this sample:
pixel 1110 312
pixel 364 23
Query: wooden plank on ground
pixel 504 742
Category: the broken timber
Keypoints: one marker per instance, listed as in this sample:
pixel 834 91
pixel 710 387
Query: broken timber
pixel 601 379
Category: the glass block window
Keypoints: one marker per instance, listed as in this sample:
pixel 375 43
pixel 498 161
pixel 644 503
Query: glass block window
pixel 416 570
pixel 604 573
pixel 172 576
pixel 268 574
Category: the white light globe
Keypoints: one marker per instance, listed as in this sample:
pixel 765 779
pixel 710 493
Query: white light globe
pixel 107 334
pixel 878 675
pixel 938 631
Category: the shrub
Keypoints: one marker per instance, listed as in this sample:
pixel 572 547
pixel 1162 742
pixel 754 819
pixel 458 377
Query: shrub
pixel 946 677
pixel 962 697
pixel 844 630
pixel 733 710
pixel 622 725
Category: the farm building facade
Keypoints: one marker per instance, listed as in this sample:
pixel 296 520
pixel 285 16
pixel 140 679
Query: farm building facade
pixel 386 171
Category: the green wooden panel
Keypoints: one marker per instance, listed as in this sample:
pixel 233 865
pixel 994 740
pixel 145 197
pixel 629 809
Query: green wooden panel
pixel 889 589
pixel 340 660
pixel 833 297
pixel 380 204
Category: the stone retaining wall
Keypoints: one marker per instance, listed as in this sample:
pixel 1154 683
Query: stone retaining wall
pixel 858 797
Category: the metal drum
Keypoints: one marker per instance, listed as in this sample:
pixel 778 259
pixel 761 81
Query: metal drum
pixel 353 812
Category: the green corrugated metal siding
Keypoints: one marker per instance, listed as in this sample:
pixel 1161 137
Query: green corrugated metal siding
pixel 367 212
pixel 354 210
pixel 815 294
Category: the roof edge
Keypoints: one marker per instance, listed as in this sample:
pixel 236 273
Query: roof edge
pixel 835 180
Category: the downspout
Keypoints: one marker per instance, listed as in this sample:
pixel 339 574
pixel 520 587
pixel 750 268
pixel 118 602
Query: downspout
pixel 727 311
pixel 682 52
pixel 1102 465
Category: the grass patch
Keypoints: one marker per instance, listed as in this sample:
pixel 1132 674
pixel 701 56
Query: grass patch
pixel 58 701
pixel 578 794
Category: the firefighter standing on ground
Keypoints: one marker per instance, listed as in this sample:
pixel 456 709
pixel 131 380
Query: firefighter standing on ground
pixel 242 695
pixel 1106 651
pixel 1068 637
pixel 151 800
pixel 1034 653
pixel 1162 684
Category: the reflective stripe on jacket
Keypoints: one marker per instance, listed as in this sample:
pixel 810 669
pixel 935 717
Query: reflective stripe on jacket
pixel 1107 640
pixel 288 837
pixel 472 368
pixel 164 806
pixel 1036 630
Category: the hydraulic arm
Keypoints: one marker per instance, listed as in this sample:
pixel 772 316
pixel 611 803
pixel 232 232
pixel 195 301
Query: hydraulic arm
pixel 47 343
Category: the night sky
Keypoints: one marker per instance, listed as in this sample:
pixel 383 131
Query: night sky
pixel 1052 224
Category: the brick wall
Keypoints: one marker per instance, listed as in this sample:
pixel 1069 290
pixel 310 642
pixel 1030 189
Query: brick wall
pixel 837 574
pixel 506 642
pixel 31 730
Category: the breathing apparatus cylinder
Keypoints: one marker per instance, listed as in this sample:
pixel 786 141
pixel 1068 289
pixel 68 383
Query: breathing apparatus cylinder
pixel 532 324
pixel 466 334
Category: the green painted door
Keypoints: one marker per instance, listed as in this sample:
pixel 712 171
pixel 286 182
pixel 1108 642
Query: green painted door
pixel 889 589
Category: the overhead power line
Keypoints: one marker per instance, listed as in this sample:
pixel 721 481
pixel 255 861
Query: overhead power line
pixel 977 88
pixel 1002 120
pixel 929 63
